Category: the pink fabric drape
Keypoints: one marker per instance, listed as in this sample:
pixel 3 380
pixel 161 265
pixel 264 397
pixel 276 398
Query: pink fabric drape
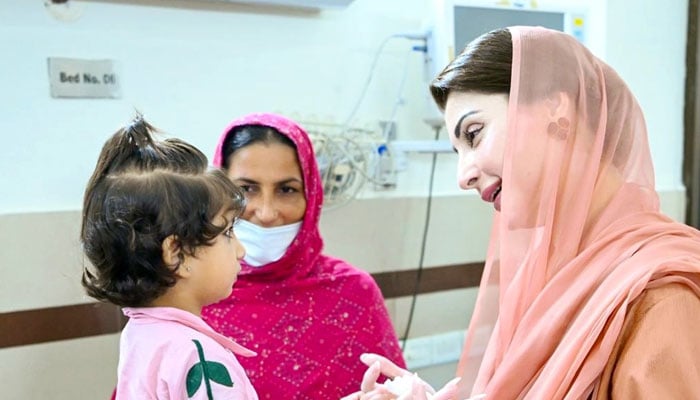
pixel 579 235
pixel 308 316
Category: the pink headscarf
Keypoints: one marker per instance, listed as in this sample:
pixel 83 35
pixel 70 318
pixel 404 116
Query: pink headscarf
pixel 308 316
pixel 300 256
pixel 579 235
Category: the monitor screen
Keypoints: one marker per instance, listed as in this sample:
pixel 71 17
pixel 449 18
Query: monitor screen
pixel 455 23
pixel 470 22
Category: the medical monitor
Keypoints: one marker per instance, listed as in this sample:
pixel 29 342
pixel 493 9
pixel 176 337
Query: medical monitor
pixel 457 22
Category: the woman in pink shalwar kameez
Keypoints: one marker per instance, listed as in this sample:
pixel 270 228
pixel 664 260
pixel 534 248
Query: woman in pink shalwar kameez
pixel 589 291
pixel 308 315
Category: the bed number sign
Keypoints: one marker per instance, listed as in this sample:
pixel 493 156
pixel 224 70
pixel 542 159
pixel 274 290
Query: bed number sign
pixel 78 78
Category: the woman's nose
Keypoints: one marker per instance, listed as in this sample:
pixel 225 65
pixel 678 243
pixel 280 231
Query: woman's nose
pixel 266 211
pixel 467 172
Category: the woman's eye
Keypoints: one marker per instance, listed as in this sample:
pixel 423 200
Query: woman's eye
pixel 289 189
pixel 472 132
pixel 249 190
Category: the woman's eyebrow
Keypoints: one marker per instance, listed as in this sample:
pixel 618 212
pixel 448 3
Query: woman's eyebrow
pixel 290 180
pixel 459 123
pixel 245 180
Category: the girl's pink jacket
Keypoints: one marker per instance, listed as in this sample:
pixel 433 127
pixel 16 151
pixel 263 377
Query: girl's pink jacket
pixel 168 353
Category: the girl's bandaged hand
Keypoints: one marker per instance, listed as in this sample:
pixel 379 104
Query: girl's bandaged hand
pixel 403 386
pixel 411 387
pixel 400 384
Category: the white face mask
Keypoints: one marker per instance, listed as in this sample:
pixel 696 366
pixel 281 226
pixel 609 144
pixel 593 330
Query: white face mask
pixel 264 245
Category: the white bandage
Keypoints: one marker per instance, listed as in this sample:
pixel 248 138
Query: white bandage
pixel 402 385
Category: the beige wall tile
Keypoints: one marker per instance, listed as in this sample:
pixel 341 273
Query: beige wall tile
pixel 40 260
pixel 67 370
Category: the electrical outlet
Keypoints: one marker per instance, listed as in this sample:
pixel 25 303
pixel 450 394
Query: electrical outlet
pixel 434 350
pixel 418 352
pixel 447 347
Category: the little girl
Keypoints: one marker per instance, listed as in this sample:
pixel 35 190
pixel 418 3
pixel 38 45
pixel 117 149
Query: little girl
pixel 158 230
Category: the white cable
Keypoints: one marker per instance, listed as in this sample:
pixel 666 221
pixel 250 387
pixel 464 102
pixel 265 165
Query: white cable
pixel 422 35
pixel 335 152
pixel 352 152
pixel 378 52
pixel 373 66
pixel 399 96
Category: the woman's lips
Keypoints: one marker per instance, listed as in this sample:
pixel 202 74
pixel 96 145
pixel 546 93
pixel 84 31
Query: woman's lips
pixel 492 194
pixel 497 200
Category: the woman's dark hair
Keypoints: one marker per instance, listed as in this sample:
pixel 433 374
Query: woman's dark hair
pixel 484 66
pixel 142 191
pixel 245 135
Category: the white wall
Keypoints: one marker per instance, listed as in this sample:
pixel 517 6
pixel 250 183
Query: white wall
pixel 646 45
pixel 190 68
pixel 194 66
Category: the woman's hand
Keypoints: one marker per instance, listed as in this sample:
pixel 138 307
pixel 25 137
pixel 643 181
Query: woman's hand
pixel 408 386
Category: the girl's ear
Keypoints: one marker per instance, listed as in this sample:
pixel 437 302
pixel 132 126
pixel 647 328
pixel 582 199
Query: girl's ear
pixel 173 255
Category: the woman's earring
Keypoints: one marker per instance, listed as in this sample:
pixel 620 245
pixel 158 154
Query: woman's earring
pixel 559 129
pixel 187 268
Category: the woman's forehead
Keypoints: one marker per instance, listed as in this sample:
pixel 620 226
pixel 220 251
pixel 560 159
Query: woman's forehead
pixel 460 104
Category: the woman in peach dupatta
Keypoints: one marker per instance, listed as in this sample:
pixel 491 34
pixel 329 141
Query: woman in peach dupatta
pixel 588 292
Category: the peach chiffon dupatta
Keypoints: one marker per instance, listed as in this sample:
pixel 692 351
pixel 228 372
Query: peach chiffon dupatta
pixel 580 234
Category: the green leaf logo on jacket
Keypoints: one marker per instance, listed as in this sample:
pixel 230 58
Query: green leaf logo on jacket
pixel 207 371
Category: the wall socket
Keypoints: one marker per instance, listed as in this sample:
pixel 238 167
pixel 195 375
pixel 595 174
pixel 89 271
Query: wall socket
pixel 431 350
